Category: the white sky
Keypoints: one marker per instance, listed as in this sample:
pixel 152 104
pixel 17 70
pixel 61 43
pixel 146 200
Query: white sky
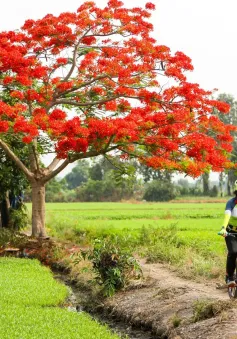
pixel 205 30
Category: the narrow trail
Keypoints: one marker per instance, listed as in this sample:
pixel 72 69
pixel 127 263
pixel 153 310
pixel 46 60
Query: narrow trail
pixel 166 300
pixel 168 279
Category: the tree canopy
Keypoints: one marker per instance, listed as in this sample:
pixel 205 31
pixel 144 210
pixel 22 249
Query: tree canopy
pixel 89 83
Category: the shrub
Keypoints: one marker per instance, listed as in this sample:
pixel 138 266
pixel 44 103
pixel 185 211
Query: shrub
pixel 9 237
pixel 106 190
pixel 19 218
pixel 159 191
pixel 114 267
pixel 213 192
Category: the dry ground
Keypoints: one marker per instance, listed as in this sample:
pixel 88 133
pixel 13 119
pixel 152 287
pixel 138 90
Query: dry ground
pixel 165 305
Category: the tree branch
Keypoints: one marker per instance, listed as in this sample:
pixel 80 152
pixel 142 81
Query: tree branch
pixel 74 158
pixel 35 153
pixel 17 161
pixel 82 104
pixel 83 85
pixel 53 164
pixel 52 174
pixel 74 60
pixel 91 154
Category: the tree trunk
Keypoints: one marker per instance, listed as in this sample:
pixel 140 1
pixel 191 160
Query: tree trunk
pixel 5 216
pixel 205 181
pixel 38 210
pixel 221 183
pixel 229 186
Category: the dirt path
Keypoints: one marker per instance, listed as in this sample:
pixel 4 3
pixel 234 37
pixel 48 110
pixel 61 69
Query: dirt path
pixel 166 301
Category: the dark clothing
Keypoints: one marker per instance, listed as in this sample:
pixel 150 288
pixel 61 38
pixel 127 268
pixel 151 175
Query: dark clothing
pixel 231 243
pixel 230 265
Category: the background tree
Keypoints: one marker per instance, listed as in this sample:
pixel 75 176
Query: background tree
pixel 183 186
pixel 160 191
pixel 95 172
pixel 78 175
pixel 149 173
pixel 55 189
pixel 222 177
pixel 205 183
pixel 230 118
pixel 103 64
pixel 12 181
pixel 213 192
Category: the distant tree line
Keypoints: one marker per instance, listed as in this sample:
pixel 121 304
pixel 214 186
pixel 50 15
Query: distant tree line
pixel 99 181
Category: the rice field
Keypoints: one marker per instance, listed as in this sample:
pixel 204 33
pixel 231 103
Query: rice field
pixel 29 305
pixel 181 234
pixel 130 217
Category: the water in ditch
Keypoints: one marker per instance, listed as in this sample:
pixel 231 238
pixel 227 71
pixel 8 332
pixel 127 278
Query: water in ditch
pixel 122 329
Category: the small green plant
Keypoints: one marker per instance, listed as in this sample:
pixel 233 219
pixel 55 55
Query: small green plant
pixel 175 320
pixel 204 309
pixel 9 237
pixel 19 218
pixel 114 266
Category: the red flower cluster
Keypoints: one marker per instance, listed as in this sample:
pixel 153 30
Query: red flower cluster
pixel 150 6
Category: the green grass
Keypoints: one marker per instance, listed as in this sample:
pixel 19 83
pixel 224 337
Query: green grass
pixel 26 282
pixel 29 299
pixel 49 323
pixel 128 211
pixel 182 234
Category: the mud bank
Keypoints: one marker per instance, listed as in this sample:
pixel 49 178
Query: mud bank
pixel 82 300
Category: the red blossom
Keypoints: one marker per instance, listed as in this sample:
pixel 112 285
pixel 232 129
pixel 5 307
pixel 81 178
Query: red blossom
pixel 4 125
pixel 24 80
pixel 150 5
pixel 8 80
pixel 57 114
pixel 32 95
pixel 88 40
pixel 39 72
pixel 221 106
pixel 115 3
pixel 62 61
pixel 27 139
pixel 111 106
pixel 63 86
pixel 17 94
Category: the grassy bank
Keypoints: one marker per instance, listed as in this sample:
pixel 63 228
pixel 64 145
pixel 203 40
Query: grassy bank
pixel 29 305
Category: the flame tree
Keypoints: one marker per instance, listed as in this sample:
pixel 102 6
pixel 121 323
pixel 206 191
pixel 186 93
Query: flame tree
pixel 89 83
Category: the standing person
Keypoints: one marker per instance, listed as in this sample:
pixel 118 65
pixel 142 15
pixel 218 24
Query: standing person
pixel 230 226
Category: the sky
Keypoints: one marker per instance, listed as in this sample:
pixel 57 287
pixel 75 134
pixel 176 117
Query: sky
pixel 205 30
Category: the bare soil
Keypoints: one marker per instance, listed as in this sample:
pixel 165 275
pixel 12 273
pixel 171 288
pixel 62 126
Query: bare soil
pixel 164 305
